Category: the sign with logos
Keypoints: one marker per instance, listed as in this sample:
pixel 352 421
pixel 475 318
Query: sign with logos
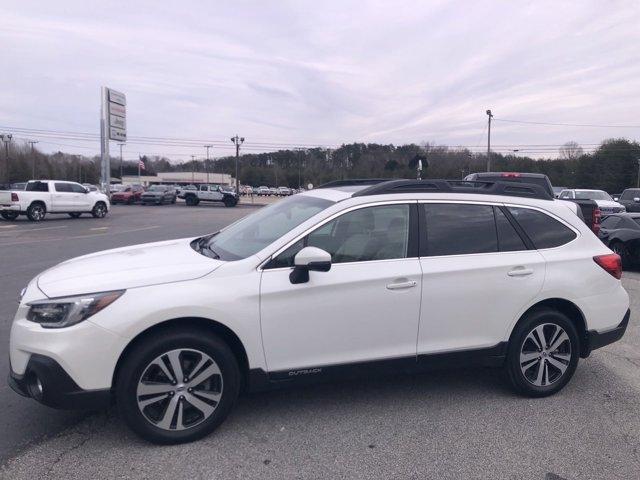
pixel 117 115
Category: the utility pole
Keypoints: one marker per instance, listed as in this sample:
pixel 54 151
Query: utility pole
pixel 33 157
pixel 121 145
pixel 206 165
pixel 6 138
pixel 237 141
pixel 193 168
pixel 638 183
pixel 489 142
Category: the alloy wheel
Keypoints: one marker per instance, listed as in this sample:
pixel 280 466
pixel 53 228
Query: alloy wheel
pixel 545 354
pixel 179 389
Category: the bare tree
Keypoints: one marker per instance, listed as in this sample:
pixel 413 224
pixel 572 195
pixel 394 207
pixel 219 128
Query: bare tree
pixel 571 151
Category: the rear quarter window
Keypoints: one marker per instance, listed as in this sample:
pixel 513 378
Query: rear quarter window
pixel 543 230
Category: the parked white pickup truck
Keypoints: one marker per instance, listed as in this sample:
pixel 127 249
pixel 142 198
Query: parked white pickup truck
pixel 211 193
pixel 52 196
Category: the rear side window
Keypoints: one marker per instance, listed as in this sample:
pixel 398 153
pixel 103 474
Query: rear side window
pixel 544 231
pixel 458 229
pixel 37 187
pixel 610 222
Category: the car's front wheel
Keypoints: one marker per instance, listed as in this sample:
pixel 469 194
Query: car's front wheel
pixel 99 210
pixel 543 353
pixel 177 386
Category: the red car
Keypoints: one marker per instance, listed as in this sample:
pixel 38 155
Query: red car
pixel 129 195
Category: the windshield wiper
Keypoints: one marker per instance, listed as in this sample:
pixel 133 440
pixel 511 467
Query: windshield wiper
pixel 202 246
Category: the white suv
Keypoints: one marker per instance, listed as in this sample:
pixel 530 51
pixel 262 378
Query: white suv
pixel 400 275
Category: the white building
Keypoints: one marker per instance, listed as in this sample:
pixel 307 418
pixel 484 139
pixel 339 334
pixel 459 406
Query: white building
pixel 180 178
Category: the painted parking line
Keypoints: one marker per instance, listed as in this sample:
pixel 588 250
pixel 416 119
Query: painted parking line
pixel 27 230
pixel 8 226
pixel 103 234
pixel 99 228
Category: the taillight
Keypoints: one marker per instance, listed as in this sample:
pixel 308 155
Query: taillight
pixel 611 263
pixel 510 174
pixel 597 215
pixel 14 197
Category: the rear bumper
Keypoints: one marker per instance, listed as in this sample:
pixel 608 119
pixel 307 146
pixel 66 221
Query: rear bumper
pixel 10 208
pixel 58 390
pixel 600 339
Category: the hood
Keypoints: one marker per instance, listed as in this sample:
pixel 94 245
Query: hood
pixel 608 204
pixel 128 267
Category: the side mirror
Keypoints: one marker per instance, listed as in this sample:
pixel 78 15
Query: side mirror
pixel 86 190
pixel 636 199
pixel 309 259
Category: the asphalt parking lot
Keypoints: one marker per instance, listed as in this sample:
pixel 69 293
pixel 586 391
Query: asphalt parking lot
pixel 445 424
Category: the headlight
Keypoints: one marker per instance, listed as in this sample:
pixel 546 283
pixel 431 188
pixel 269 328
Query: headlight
pixel 67 311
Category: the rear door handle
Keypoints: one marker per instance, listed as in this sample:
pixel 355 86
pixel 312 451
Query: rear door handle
pixel 401 285
pixel 520 272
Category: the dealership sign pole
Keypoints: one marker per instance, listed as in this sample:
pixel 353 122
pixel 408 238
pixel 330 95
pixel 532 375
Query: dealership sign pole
pixel 113 126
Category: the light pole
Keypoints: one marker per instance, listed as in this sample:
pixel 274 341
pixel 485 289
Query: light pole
pixel 638 182
pixel 121 145
pixel 206 165
pixel 489 141
pixel 6 138
pixel 237 141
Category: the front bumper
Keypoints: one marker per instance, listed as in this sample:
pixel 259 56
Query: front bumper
pixel 153 199
pixel 600 339
pixel 48 383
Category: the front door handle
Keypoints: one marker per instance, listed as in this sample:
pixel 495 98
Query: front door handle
pixel 520 272
pixel 401 285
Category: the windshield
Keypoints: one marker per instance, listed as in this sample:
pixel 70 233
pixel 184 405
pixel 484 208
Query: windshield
pixel 630 194
pixel 592 195
pixel 156 188
pixel 256 231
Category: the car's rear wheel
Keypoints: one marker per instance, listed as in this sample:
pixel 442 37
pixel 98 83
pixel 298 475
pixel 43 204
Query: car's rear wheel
pixel 178 385
pixel 230 202
pixel 36 212
pixel 9 215
pixel 99 210
pixel 543 353
pixel 192 200
pixel 75 215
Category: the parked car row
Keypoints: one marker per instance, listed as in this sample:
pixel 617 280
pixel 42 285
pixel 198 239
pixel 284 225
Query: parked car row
pixel 264 191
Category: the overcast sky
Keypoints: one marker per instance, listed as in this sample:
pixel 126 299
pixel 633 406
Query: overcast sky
pixel 329 72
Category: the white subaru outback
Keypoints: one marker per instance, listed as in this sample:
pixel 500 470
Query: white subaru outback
pixel 351 278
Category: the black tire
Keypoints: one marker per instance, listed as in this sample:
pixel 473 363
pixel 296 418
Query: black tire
pixel 519 343
pixel 129 200
pixel 36 212
pixel 621 249
pixel 173 200
pixel 192 200
pixel 9 215
pixel 230 201
pixel 75 215
pixel 99 210
pixel 152 347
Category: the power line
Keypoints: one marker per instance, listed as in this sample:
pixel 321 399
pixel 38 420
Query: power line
pixel 565 124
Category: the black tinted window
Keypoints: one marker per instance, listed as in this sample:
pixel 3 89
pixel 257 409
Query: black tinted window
pixel 508 239
pixel 454 229
pixel 77 188
pixel 63 187
pixel 544 231
pixel 37 187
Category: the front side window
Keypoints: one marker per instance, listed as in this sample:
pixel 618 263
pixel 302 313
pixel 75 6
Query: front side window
pixel 259 230
pixel 63 187
pixel 566 194
pixel 77 188
pixel 544 231
pixel 459 229
pixel 370 233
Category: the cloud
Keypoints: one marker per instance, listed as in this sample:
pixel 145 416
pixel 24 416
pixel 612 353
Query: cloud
pixel 329 72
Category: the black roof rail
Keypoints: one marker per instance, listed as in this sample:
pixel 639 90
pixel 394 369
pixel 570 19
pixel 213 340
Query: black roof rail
pixel 528 190
pixel 353 182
